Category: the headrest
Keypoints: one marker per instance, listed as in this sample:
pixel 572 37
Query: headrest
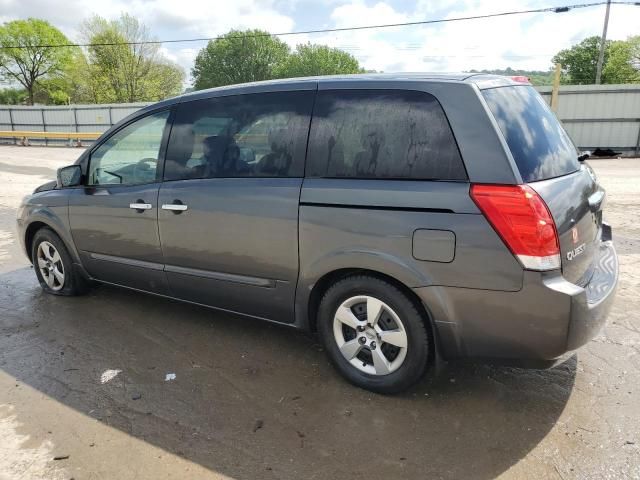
pixel 279 138
pixel 184 150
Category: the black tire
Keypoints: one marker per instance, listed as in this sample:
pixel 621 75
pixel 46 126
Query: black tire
pixel 74 283
pixel 418 339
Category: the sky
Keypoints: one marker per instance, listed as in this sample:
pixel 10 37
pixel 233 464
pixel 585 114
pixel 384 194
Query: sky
pixel 521 42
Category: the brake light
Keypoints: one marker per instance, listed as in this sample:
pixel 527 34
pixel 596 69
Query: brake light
pixel 521 218
pixel 520 79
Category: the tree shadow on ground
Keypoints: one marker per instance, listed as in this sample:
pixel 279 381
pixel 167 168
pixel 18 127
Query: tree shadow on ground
pixel 253 400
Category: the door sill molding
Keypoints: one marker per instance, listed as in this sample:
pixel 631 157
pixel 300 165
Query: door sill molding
pixel 126 261
pixel 291 324
pixel 194 272
pixel 227 277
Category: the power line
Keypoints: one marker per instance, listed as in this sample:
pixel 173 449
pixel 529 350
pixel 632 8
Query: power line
pixel 562 9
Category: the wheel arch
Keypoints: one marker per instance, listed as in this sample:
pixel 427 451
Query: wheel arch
pixel 325 281
pixel 41 221
pixel 30 233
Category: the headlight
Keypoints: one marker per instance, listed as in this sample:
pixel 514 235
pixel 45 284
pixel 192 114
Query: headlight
pixel 592 173
pixel 23 205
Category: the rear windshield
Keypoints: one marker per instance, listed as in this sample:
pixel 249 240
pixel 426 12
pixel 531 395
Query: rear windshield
pixel 540 146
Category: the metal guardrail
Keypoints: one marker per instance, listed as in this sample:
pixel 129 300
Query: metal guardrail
pixel 23 136
pixel 69 118
pixel 604 116
pixel 51 135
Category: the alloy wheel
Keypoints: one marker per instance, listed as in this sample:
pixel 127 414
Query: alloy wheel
pixel 370 335
pixel 50 266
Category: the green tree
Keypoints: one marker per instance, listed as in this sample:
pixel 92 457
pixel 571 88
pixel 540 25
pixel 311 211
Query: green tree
pixel 32 62
pixel 623 64
pixel 312 60
pixel 54 91
pixel 238 57
pixel 621 61
pixel 536 77
pixel 12 96
pixel 82 86
pixel 165 79
pixel 122 66
pixel 579 62
pixel 635 51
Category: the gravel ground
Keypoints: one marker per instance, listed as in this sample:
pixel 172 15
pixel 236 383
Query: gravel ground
pixel 86 378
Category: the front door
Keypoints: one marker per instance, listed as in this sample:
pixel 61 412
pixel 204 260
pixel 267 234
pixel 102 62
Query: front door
pixel 228 217
pixel 114 217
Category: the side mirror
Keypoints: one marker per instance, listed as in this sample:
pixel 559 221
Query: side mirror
pixel 70 176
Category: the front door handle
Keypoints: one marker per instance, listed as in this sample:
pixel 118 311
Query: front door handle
pixel 176 207
pixel 140 206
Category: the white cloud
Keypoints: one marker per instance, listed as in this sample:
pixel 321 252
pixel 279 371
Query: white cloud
pixel 522 41
pixel 380 13
pixel 525 41
pixel 203 18
pixel 166 19
pixel 519 41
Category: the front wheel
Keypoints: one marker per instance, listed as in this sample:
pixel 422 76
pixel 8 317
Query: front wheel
pixel 374 334
pixel 53 265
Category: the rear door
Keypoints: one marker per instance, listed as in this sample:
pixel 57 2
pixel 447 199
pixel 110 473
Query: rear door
pixel 548 161
pixel 228 218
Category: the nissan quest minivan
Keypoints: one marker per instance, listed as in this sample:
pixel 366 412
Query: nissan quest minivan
pixel 402 217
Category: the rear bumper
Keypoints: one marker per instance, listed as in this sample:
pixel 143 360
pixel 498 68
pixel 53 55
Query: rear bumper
pixel 541 322
pixel 589 309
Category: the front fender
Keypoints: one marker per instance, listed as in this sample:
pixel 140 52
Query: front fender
pixel 50 208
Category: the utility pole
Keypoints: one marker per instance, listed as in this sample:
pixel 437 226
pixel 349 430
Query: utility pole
pixel 556 88
pixel 603 40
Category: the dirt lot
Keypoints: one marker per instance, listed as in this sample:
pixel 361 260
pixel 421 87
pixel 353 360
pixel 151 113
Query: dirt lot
pixel 86 378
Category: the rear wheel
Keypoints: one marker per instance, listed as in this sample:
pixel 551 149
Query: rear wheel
pixel 374 334
pixel 53 265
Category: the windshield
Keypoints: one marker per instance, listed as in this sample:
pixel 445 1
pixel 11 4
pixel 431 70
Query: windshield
pixel 540 146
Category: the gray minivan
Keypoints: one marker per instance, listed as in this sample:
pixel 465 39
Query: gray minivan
pixel 403 217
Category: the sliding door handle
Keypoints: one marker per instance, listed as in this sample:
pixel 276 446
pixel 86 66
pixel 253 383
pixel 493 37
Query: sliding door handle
pixel 140 206
pixel 175 207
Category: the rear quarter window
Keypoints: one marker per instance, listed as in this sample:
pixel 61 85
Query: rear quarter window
pixel 382 134
pixel 539 144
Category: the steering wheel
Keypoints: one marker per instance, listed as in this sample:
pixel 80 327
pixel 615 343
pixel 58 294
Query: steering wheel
pixel 143 169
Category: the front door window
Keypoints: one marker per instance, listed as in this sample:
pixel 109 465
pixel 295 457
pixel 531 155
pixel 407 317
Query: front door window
pixel 130 156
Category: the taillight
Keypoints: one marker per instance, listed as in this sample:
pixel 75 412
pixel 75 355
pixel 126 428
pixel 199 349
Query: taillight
pixel 523 221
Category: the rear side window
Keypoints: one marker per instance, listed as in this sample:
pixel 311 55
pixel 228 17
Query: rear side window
pixel 540 146
pixel 255 135
pixel 383 134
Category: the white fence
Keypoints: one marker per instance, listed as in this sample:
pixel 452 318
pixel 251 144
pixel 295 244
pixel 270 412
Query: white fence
pixel 605 116
pixel 72 118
